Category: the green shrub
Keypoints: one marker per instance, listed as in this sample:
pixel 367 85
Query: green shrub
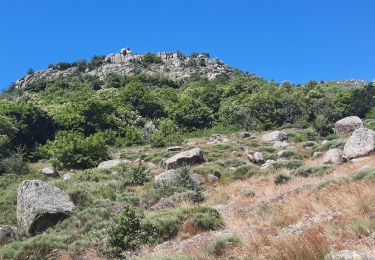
pixel 244 172
pixel 168 134
pixel 313 170
pixel 219 246
pixel 288 164
pixel 335 143
pixel 367 173
pixel 150 58
pixel 207 218
pixel 73 150
pixel 15 163
pixel 281 178
pixel 126 231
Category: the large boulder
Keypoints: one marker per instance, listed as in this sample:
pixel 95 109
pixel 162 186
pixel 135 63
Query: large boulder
pixel 111 164
pixel 275 136
pixel 348 125
pixel 49 172
pixel 193 156
pixel 333 156
pixel 166 178
pixel 40 205
pixel 7 234
pixel 361 142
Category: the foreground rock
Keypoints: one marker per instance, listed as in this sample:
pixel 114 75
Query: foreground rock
pixel 191 157
pixel 40 206
pixel 281 144
pixel 361 142
pixel 275 136
pixel 111 164
pixel 49 172
pixel 7 234
pixel 348 125
pixel 333 156
pixel 347 255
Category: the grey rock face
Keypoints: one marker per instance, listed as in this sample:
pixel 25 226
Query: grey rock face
pixel 197 178
pixel 8 234
pixel 166 178
pixel 40 206
pixel 258 157
pixel 347 255
pixel 190 157
pixel 49 172
pixel 111 164
pixel 275 136
pixel 333 156
pixel 267 165
pixel 317 155
pixel 68 176
pixel 347 125
pixel 359 144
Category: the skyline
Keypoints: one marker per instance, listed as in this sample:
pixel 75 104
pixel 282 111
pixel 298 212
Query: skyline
pixel 324 40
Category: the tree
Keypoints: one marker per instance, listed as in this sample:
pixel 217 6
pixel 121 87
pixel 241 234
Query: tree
pixel 192 114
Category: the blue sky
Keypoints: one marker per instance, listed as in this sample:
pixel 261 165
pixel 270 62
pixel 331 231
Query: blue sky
pixel 295 40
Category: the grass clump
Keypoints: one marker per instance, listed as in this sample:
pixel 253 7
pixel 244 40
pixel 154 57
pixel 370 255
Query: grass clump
pixel 287 164
pixel 312 170
pixel 367 173
pixel 219 246
pixel 244 172
pixel 281 178
pixel 335 143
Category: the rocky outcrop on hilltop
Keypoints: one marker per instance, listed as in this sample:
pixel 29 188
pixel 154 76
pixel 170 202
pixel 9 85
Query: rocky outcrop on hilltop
pixel 172 65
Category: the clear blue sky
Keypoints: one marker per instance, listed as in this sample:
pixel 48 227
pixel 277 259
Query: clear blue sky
pixel 295 40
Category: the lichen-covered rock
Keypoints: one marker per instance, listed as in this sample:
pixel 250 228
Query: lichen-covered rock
pixel 212 178
pixel 190 157
pixel 333 156
pixel 49 172
pixel 348 125
pixel 360 143
pixel 259 158
pixel 40 205
pixel 267 165
pixel 166 178
pixel 275 136
pixel 347 255
pixel 197 178
pixel 8 234
pixel 111 164
pixel 68 176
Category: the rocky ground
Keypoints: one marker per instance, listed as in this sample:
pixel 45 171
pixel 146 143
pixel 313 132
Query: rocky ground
pixel 280 197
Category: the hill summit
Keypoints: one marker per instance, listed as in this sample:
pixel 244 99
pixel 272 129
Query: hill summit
pixel 173 65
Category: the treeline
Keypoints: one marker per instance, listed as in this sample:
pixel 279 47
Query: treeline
pixel 72 120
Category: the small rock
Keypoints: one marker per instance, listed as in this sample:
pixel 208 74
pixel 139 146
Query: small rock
pixel 217 138
pixel 259 157
pixel 68 176
pixel 275 136
pixel 212 178
pixel 246 135
pixel 49 172
pixel 197 178
pixel 111 164
pixel 333 156
pixel 267 164
pixel 8 234
pixel 325 142
pixel 317 155
pixel 174 148
pixel 280 144
pixel 166 178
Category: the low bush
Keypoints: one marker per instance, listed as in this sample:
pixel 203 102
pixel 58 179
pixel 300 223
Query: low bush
pixel 287 164
pixel 313 170
pixel 281 178
pixel 244 172
pixel 335 143
pixel 207 218
pixel 15 163
pixel 367 173
pixel 220 245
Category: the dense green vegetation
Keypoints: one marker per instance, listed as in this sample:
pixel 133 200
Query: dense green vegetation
pixel 46 117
